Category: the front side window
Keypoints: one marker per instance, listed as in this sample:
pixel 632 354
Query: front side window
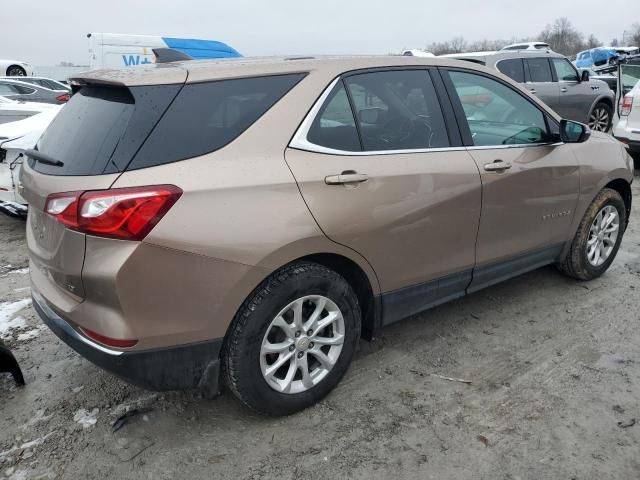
pixel 334 126
pixel 539 70
pixel 564 70
pixel 397 110
pixel 497 114
pixel 512 68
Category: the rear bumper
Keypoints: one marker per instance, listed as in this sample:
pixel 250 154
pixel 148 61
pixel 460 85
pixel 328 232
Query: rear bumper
pixel 176 368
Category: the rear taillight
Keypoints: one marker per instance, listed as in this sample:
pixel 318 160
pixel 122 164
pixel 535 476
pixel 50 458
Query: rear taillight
pixel 122 213
pixel 63 98
pixel 627 104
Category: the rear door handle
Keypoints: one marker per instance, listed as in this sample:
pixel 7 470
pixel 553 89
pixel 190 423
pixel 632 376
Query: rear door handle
pixel 497 166
pixel 563 90
pixel 533 90
pixel 346 178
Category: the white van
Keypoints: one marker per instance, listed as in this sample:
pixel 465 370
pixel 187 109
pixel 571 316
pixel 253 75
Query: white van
pixel 113 50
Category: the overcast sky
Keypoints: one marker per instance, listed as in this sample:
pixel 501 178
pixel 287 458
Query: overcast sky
pixel 45 33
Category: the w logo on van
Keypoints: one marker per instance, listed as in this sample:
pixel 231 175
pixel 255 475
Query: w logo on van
pixel 130 60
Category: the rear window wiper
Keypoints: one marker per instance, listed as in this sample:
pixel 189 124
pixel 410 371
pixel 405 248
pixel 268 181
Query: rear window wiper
pixel 43 158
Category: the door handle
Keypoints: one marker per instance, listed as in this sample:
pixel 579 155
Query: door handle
pixel 497 166
pixel 563 90
pixel 533 90
pixel 346 178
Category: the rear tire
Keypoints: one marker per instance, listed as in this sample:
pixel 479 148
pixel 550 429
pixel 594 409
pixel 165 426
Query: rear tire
pixel 324 355
pixel 601 117
pixel 580 262
pixel 16 71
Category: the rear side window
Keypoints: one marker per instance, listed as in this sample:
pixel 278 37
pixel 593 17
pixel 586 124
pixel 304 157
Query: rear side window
pixel 512 68
pixel 397 110
pixel 334 126
pixel 207 116
pixel 539 70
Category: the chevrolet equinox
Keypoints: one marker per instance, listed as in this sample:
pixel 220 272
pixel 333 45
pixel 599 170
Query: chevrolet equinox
pixel 244 222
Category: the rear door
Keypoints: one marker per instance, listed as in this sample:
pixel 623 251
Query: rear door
pixel 576 97
pixel 393 183
pixel 529 183
pixel 539 81
pixel 94 138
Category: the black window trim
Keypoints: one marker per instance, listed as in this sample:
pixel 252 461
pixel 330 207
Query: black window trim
pixel 299 139
pixel 550 122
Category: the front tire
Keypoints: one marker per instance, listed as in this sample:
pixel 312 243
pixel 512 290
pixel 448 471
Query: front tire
pixel 598 238
pixel 292 340
pixel 16 71
pixel 601 117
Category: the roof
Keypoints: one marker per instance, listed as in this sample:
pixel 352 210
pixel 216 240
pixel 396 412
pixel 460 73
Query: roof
pixel 202 70
pixel 494 57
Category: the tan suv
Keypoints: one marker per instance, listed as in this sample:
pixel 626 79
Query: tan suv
pixel 246 221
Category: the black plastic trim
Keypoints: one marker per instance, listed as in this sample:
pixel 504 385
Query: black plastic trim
pixel 176 368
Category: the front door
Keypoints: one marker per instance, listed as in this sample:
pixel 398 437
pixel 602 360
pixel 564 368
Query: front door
pixel 377 169
pixel 529 184
pixel 576 97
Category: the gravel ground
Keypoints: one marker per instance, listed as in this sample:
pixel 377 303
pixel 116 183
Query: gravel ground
pixel 554 366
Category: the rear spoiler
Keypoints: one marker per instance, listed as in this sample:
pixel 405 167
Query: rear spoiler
pixel 167 55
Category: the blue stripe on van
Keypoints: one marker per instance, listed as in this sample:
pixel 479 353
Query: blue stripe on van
pixel 201 48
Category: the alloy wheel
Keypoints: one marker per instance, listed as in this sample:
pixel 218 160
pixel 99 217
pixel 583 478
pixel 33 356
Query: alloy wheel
pixel 302 344
pixel 599 119
pixel 603 235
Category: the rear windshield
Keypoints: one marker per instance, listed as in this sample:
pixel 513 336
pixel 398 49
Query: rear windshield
pixel 99 130
pixel 105 130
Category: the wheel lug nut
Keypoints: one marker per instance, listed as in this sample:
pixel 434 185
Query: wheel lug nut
pixel 298 333
pixel 300 354
pixel 311 345
pixel 292 348
pixel 309 333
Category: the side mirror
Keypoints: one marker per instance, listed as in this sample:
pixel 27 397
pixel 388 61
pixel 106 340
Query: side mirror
pixel 574 132
pixel 584 76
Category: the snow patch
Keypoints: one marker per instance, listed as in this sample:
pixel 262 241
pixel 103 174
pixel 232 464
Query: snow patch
pixel 7 320
pixel 30 334
pixel 85 418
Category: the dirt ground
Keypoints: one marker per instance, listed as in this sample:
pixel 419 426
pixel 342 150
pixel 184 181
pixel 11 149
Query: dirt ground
pixel 554 366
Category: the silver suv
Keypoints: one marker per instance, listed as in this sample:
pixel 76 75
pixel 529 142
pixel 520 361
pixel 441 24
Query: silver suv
pixel 554 79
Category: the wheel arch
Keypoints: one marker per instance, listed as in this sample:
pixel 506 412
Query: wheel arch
pixel 370 303
pixel 8 69
pixel 623 187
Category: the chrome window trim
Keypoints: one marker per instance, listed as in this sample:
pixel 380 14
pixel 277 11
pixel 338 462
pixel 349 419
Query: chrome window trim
pixel 300 142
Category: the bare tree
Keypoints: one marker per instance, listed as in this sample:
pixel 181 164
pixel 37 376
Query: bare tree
pixel 634 38
pixel 593 42
pixel 458 44
pixel 563 37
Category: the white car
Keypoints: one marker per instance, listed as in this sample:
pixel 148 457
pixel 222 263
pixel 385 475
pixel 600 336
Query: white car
pixel 13 110
pixel 15 68
pixel 416 52
pixel 627 129
pixel 528 46
pixel 15 138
